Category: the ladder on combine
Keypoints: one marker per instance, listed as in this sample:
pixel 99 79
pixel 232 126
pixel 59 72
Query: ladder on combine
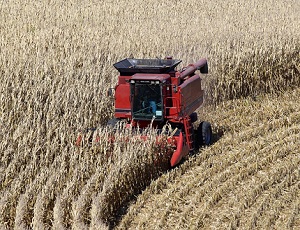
pixel 188 128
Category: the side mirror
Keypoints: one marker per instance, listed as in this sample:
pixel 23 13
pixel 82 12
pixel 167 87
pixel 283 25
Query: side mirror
pixel 110 92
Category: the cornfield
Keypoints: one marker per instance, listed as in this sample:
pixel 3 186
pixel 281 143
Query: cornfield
pixel 56 62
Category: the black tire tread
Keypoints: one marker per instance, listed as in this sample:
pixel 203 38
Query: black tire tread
pixel 203 129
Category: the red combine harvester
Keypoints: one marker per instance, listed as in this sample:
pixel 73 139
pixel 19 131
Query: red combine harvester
pixel 152 91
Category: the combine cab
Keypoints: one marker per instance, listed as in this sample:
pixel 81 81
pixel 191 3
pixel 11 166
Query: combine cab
pixel 152 91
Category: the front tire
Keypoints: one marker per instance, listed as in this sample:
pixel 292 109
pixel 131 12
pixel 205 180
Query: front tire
pixel 204 134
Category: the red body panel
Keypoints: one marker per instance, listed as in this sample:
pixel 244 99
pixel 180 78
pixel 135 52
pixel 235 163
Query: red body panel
pixel 181 151
pixel 191 95
pixel 122 101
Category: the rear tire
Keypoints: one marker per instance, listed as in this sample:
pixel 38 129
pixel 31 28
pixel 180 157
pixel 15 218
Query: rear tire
pixel 204 134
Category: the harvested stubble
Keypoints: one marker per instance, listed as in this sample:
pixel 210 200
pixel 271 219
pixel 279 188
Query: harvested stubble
pixel 249 178
pixel 56 65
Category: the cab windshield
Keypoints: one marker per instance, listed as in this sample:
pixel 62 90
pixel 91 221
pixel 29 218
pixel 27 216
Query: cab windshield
pixel 146 101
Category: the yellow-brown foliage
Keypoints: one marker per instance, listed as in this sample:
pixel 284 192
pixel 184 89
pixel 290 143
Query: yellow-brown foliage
pixel 56 65
pixel 248 179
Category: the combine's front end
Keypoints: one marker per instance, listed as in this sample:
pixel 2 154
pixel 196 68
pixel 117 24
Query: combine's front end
pixel 152 92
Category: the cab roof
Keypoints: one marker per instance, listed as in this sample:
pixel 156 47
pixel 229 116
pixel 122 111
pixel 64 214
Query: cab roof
pixel 150 77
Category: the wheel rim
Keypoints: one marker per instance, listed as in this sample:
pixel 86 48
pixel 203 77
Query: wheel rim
pixel 208 137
